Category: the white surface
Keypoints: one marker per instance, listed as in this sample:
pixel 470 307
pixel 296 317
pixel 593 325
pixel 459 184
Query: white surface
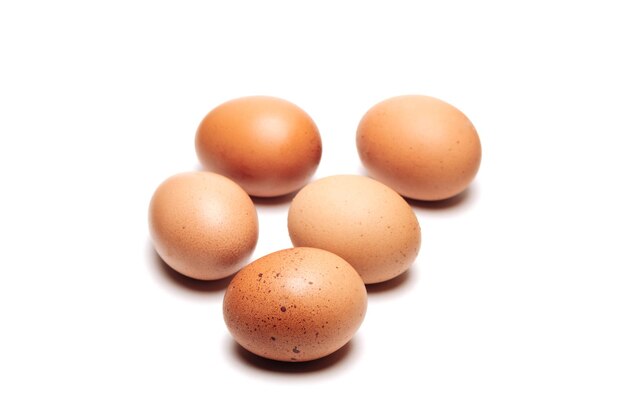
pixel 515 305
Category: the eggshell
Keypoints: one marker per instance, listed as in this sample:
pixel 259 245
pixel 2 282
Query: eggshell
pixel 203 225
pixel 267 145
pixel 295 305
pixel 360 219
pixel 420 146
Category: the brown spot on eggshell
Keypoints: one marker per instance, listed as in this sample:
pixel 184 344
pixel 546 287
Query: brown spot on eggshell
pixel 319 320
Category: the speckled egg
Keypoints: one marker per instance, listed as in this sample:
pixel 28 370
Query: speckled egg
pixel 360 219
pixel 295 305
pixel 422 147
pixel 203 225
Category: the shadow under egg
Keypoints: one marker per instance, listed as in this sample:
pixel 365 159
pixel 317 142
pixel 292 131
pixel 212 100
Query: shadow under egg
pixel 313 366
pixel 170 275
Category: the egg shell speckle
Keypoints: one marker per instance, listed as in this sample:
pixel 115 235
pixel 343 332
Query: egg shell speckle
pixel 295 305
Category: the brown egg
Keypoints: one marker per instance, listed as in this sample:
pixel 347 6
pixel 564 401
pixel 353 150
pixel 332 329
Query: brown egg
pixel 203 225
pixel 420 146
pixel 360 219
pixel 295 305
pixel 267 145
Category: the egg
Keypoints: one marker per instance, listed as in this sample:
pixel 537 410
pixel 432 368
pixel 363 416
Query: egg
pixel 422 147
pixel 360 219
pixel 267 145
pixel 295 305
pixel 203 225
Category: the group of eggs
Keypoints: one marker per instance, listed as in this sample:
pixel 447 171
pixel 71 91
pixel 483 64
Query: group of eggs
pixel 306 302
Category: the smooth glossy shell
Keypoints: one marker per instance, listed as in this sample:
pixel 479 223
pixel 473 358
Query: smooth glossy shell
pixel 267 145
pixel 295 305
pixel 360 219
pixel 420 146
pixel 203 225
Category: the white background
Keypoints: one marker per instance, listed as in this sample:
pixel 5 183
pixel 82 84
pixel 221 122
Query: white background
pixel 514 307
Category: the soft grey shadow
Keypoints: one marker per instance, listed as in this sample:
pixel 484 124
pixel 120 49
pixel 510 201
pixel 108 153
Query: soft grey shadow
pixel 399 283
pixel 458 201
pixel 170 275
pixel 270 365
pixel 274 201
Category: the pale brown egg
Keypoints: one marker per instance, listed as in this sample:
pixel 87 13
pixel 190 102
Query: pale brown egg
pixel 267 145
pixel 295 305
pixel 360 219
pixel 203 225
pixel 420 146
